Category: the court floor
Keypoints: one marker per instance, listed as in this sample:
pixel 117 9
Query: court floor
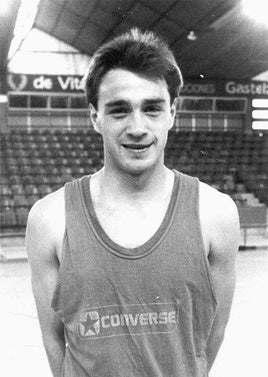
pixel 244 352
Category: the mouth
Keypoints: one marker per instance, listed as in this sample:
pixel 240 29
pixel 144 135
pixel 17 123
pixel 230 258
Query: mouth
pixel 136 147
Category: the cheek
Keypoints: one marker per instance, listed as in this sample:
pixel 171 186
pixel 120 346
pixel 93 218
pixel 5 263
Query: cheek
pixel 163 127
pixel 110 137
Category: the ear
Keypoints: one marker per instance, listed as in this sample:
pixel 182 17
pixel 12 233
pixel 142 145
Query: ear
pixel 94 118
pixel 173 110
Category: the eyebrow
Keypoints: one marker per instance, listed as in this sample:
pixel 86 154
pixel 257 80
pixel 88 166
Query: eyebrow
pixel 153 101
pixel 147 101
pixel 116 103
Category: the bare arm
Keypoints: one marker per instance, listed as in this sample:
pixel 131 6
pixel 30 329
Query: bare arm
pixel 41 244
pixel 223 241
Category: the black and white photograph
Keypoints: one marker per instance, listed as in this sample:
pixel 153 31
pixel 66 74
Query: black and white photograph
pixel 133 188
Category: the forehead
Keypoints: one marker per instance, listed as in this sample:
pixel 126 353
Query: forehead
pixel 120 84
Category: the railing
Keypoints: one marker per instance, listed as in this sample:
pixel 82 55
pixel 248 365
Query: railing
pixel 246 227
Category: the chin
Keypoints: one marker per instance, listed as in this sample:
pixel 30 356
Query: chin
pixel 139 168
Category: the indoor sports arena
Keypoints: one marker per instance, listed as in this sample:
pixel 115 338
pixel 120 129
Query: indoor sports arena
pixel 220 135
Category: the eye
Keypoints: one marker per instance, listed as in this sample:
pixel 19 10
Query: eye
pixel 119 112
pixel 153 110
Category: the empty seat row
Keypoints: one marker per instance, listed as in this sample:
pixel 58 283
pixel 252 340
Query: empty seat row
pixel 35 163
pixel 10 218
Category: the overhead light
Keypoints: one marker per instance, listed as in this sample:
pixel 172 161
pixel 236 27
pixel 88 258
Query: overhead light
pixel 260 114
pixel 23 25
pixel 26 17
pixel 256 9
pixel 260 102
pixel 260 125
pixel 192 36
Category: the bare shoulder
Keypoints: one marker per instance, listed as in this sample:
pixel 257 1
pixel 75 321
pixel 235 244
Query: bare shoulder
pixel 46 224
pixel 217 202
pixel 219 220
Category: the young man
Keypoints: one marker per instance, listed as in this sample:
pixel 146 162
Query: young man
pixel 133 268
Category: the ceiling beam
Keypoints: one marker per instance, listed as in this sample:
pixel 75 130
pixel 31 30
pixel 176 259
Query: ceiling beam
pixel 7 24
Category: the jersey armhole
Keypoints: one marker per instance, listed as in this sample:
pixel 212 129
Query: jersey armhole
pixel 205 257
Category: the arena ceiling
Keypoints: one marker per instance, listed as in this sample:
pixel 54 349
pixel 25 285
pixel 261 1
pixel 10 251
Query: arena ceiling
pixel 210 38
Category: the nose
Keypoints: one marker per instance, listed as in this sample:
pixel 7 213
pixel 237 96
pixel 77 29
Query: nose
pixel 137 126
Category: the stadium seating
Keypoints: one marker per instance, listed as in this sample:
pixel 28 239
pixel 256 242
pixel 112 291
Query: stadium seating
pixel 37 162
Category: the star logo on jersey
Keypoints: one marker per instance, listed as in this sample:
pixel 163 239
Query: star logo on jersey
pixel 89 323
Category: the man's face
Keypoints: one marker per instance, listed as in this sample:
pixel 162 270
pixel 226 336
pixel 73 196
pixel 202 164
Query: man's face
pixel 134 116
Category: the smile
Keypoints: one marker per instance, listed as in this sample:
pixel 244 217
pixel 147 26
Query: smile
pixel 137 146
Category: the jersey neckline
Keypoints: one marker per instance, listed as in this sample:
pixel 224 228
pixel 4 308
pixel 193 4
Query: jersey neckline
pixel 115 248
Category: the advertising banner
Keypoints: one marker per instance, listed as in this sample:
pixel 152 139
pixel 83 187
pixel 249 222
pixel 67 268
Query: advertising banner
pixel 44 83
pixel 198 88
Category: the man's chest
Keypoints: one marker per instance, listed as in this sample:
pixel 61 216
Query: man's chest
pixel 131 228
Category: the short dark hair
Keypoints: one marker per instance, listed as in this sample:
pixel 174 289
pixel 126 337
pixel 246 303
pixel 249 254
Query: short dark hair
pixel 143 53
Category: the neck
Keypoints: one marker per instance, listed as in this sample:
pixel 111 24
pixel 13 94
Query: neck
pixel 135 186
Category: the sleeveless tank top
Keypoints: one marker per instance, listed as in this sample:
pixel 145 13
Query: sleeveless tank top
pixel 138 312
